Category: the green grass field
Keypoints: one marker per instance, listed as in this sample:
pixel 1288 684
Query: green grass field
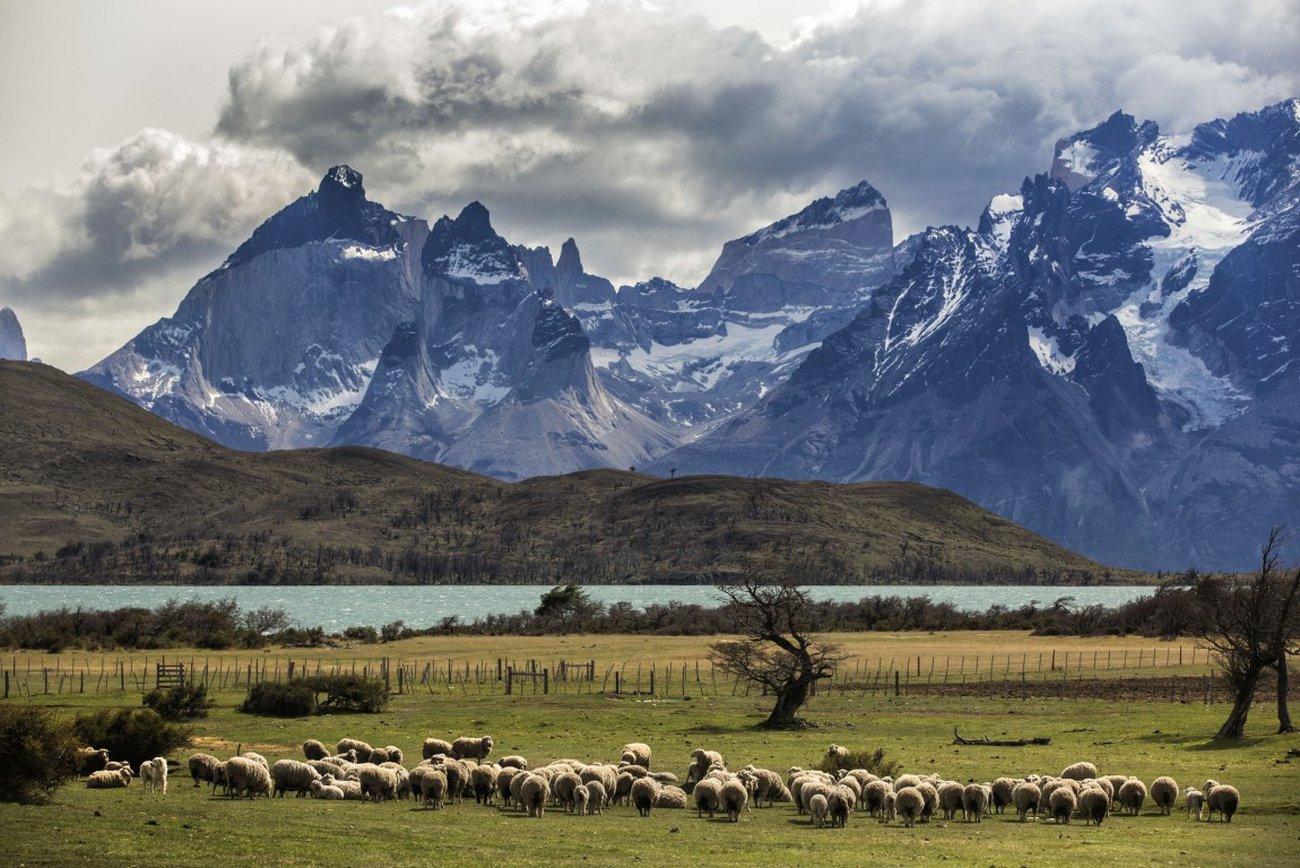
pixel 189 826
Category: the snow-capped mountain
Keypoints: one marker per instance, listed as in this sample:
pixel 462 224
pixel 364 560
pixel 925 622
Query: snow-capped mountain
pixel 1108 358
pixel 340 322
pixel 12 343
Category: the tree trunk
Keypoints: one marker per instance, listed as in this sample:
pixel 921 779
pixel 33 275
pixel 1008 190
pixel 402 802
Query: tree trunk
pixel 1283 688
pixel 1235 725
pixel 788 702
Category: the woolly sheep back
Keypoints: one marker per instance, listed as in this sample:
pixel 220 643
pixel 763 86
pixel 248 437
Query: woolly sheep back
pixel 1164 792
pixel 106 780
pixel 644 792
pixel 1026 797
pixel 636 753
pixel 818 808
pixel 1224 801
pixel 1080 771
pixel 247 777
pixel 909 803
pixel 476 749
pixel 973 802
pixel 1063 803
pixel 532 794
pixel 293 776
pixel 314 750
pixel 1132 795
pixel 203 767
pixel 1095 804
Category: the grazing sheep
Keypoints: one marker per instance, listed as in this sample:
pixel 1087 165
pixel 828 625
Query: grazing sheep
pixel 950 800
pixel 1026 797
pixel 931 796
pixel 707 795
pixel 1164 792
pixel 818 809
pixel 153 775
pixel 351 789
pixel 514 762
pixel 109 780
pixel 606 775
pixel 905 781
pixel 203 767
pixel 319 790
pixel 293 776
pixel 378 756
pixel 532 794
pixel 1063 803
pixel 874 796
pixel 974 801
pixel 433 786
pixel 644 792
pixel 377 782
pixel 1115 782
pixel 1222 800
pixel 837 755
pixel 1104 785
pixel 247 777
pixel 623 788
pixel 476 749
pixel 889 812
pixel 435 746
pixel 1132 795
pixel 483 780
pixel 257 758
pixel 598 797
pixel 564 786
pixel 701 761
pixel 314 750
pixel 90 760
pixel 842 802
pixel 505 776
pixel 1002 790
pixel 1080 771
pixel 1094 804
pixel 1195 802
pixel 733 799
pixel 671 797
pixel 909 803
pixel 637 754
pixel 347 745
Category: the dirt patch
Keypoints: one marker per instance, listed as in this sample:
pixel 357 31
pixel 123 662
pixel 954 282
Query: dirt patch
pixel 221 745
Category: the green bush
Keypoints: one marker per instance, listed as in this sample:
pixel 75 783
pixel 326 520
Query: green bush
pixel 131 734
pixel 38 753
pixel 280 699
pixel 182 702
pixel 872 760
pixel 350 693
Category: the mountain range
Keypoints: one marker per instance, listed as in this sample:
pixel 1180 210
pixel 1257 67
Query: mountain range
pixel 1106 357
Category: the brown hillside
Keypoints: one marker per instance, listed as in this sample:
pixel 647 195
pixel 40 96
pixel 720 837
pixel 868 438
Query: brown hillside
pixel 93 488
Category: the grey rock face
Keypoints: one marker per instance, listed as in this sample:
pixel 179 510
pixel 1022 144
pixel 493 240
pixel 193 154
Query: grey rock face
pixel 12 343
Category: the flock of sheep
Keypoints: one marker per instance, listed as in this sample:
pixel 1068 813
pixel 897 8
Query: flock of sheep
pixel 451 772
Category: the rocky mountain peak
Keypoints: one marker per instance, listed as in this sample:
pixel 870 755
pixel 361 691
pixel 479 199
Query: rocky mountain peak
pixel 469 248
pixel 570 261
pixel 12 343
pixel 1084 156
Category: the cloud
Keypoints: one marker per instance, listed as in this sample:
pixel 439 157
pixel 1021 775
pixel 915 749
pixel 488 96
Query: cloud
pixel 648 133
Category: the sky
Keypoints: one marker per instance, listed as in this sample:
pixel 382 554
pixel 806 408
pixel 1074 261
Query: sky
pixel 144 139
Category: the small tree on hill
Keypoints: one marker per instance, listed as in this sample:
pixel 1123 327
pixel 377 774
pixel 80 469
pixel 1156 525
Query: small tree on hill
pixel 1253 622
pixel 778 650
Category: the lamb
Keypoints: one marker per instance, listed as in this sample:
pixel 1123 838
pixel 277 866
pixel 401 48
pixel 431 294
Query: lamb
pixel 377 782
pixel 974 799
pixel 293 776
pixel 90 760
pixel 314 750
pixel 1026 797
pixel 950 798
pixel 1063 803
pixel 644 792
pixel 435 746
pixel 701 761
pixel 203 767
pixel 707 795
pixel 734 798
pixel 532 794
pixel 351 789
pixel 1164 792
pixel 909 803
pixel 637 753
pixel 598 796
pixel 320 791
pixel 476 749
pixel 153 774
pixel 351 744
pixel 889 811
pixel 818 808
pixel 1132 795
pixel 1094 804
pixel 106 780
pixel 1080 771
pixel 1195 802
pixel 1002 792
pixel 1222 800
pixel 670 797
pixel 247 777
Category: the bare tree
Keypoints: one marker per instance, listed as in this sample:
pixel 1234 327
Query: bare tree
pixel 1253 622
pixel 778 650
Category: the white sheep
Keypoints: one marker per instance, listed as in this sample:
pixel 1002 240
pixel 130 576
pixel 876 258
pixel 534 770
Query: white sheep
pixel 1025 797
pixel 314 750
pixel 818 808
pixel 293 776
pixel 636 753
pixel 247 777
pixel 950 798
pixel 889 812
pixel 351 789
pixel 1164 792
pixel 432 783
pixel 874 796
pixel 1094 803
pixel 153 775
pixel 707 795
pixel 563 787
pixel 109 780
pixel 319 790
pixel 671 797
pixel 974 800
pixel 1223 800
pixel 581 798
pixel 476 749
pixel 203 767
pixel 513 761
pixel 1063 803
pixel 1002 790
pixel 598 797
pixel 435 746
pixel 378 756
pixel 256 757
pixel 842 802
pixel 644 792
pixel 701 761
pixel 1195 802
pixel 483 779
pixel 909 803
pixel 90 760
pixel 733 799
pixel 837 755
pixel 931 797
pixel 1080 771
pixel 377 782
pixel 532 794
pixel 346 745
pixel 1132 795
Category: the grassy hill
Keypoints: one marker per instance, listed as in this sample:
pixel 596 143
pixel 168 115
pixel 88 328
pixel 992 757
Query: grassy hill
pixel 93 488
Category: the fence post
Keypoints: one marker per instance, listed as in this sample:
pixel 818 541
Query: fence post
pixel 6 684
pixel 546 681
pixel 652 680
pixel 618 682
pixel 510 672
pixel 896 693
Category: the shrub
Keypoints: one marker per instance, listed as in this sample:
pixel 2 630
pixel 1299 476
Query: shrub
pixel 280 699
pixel 131 734
pixel 38 753
pixel 350 693
pixel 182 702
pixel 872 760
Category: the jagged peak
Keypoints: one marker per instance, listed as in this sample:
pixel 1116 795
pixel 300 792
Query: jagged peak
pixel 570 261
pixel 343 177
pixel 1080 158
pixel 851 203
